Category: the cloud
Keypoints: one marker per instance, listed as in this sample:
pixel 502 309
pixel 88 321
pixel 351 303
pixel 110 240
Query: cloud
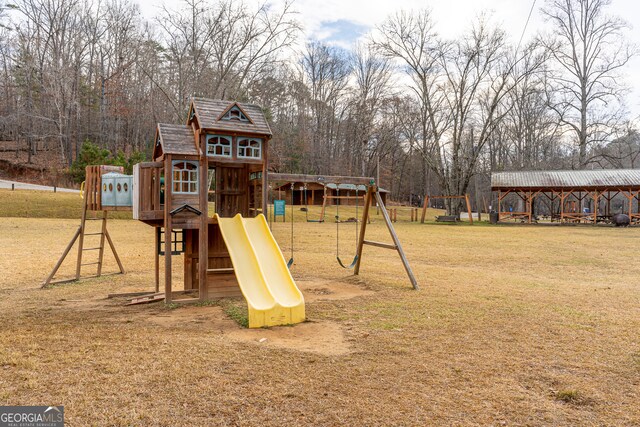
pixel 341 32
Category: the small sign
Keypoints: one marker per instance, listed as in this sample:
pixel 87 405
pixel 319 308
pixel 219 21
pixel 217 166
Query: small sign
pixel 31 416
pixel 278 208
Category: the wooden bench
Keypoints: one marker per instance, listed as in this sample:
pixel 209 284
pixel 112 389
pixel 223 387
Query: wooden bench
pixel 447 218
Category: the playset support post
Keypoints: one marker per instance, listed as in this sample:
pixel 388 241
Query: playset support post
pixel 203 247
pixel 167 229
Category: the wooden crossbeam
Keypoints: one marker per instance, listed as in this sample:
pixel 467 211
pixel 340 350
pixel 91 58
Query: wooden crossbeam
pixel 322 179
pixel 346 197
pixel 220 270
pixel 380 245
pixel 146 299
pixel 129 294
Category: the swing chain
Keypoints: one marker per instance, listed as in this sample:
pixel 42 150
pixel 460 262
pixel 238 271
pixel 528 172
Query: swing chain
pixel 291 259
pixel 269 202
pixel 356 215
pixel 355 258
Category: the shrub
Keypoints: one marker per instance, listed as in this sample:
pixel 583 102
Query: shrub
pixel 92 154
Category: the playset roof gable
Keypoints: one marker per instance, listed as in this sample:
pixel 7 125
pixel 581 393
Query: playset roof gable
pixel 174 139
pixel 210 115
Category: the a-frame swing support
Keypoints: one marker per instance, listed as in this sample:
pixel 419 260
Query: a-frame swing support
pixel 372 193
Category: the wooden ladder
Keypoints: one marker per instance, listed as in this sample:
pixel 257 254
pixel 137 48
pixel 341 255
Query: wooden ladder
pixel 79 235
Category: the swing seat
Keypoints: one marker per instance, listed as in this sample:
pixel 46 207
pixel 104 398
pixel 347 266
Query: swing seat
pixel 350 266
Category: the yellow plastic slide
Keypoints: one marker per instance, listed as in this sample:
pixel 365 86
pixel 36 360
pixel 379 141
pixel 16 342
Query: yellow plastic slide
pixel 265 281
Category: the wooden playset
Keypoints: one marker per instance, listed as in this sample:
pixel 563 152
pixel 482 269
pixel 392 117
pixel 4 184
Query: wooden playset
pixel 105 189
pixel 204 192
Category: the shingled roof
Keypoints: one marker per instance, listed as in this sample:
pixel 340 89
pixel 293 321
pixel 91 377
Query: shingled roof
pixel 209 113
pixel 176 139
pixel 566 179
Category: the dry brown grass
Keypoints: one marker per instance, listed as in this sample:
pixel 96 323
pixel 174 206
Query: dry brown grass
pixel 44 204
pixel 513 325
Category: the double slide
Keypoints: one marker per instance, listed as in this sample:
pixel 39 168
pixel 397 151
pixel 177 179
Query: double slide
pixel 265 281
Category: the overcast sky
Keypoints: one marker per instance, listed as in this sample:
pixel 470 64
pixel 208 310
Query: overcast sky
pixel 341 22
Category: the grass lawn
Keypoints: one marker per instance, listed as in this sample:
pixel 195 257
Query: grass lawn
pixel 514 325
pixel 44 204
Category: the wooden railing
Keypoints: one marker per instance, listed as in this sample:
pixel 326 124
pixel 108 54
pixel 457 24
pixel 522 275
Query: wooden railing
pixel 148 202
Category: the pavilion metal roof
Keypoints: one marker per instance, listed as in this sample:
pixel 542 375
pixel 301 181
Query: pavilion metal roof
pixel 566 179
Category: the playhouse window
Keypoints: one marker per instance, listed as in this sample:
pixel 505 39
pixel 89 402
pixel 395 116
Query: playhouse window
pixel 218 146
pixel 185 177
pixel 235 114
pixel 249 148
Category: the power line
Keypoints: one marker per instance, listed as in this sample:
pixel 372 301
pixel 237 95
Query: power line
pixel 533 5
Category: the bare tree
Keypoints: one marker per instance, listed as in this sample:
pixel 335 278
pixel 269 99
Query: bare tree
pixel 58 50
pixel 248 43
pixel 372 75
pixel 530 133
pixel 410 38
pixel 476 78
pixel 188 32
pixel 326 72
pixel 219 50
pixel 461 87
pixel 589 50
pixel 623 152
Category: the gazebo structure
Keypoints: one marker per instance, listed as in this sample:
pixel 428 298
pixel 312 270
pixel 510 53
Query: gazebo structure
pixel 577 196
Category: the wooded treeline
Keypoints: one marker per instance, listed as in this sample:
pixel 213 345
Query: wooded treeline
pixel 437 115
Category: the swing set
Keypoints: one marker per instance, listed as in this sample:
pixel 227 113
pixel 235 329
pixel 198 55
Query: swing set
pixel 326 198
pixel 372 193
